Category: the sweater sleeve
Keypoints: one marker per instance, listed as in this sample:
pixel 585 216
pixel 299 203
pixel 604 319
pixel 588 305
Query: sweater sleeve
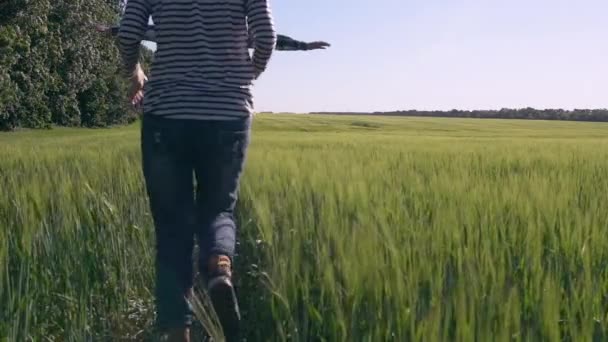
pixel 285 43
pixel 262 32
pixel 150 34
pixel 131 32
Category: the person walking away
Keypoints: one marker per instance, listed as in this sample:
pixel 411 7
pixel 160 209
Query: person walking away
pixel 197 113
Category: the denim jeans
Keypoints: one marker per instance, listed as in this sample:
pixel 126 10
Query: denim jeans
pixel 192 170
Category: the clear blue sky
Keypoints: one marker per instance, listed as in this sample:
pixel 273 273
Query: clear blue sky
pixel 433 54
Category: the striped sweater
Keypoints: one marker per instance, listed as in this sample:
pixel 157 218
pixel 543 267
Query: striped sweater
pixel 202 68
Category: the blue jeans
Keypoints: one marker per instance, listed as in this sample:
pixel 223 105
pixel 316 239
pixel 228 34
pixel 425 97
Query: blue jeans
pixel 192 170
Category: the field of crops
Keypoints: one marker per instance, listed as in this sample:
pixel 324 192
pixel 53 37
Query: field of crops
pixel 352 229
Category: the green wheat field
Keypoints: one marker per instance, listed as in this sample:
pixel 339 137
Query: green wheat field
pixel 351 229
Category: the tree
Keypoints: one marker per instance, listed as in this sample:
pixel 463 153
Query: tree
pixel 54 69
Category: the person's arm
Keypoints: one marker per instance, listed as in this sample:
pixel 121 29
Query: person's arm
pixel 149 35
pixel 130 34
pixel 261 28
pixel 286 43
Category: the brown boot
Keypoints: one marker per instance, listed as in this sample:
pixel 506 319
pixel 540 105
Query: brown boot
pixel 222 294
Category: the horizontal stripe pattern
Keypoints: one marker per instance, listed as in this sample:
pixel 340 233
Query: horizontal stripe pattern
pixel 202 66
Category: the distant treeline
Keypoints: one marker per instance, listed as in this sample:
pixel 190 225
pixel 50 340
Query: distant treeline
pixel 595 115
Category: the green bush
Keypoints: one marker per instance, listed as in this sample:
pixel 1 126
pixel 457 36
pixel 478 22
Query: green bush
pixel 55 69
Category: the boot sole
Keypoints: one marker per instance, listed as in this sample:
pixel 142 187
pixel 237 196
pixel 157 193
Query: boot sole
pixel 225 303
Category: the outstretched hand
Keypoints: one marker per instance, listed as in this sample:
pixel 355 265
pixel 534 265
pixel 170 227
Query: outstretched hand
pixel 317 45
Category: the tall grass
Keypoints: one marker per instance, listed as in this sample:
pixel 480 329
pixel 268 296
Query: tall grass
pixel 352 229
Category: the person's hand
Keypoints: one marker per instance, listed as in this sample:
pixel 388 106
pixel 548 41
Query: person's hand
pixel 317 45
pixel 136 91
pixel 103 29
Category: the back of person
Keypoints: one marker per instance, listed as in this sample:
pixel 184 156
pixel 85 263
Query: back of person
pixel 202 68
pixel 201 44
pixel 197 120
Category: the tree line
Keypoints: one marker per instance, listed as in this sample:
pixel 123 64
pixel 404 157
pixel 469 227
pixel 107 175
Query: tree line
pixel 55 69
pixel 595 115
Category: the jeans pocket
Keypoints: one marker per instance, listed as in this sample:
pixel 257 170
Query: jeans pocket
pixel 234 146
pixel 153 138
